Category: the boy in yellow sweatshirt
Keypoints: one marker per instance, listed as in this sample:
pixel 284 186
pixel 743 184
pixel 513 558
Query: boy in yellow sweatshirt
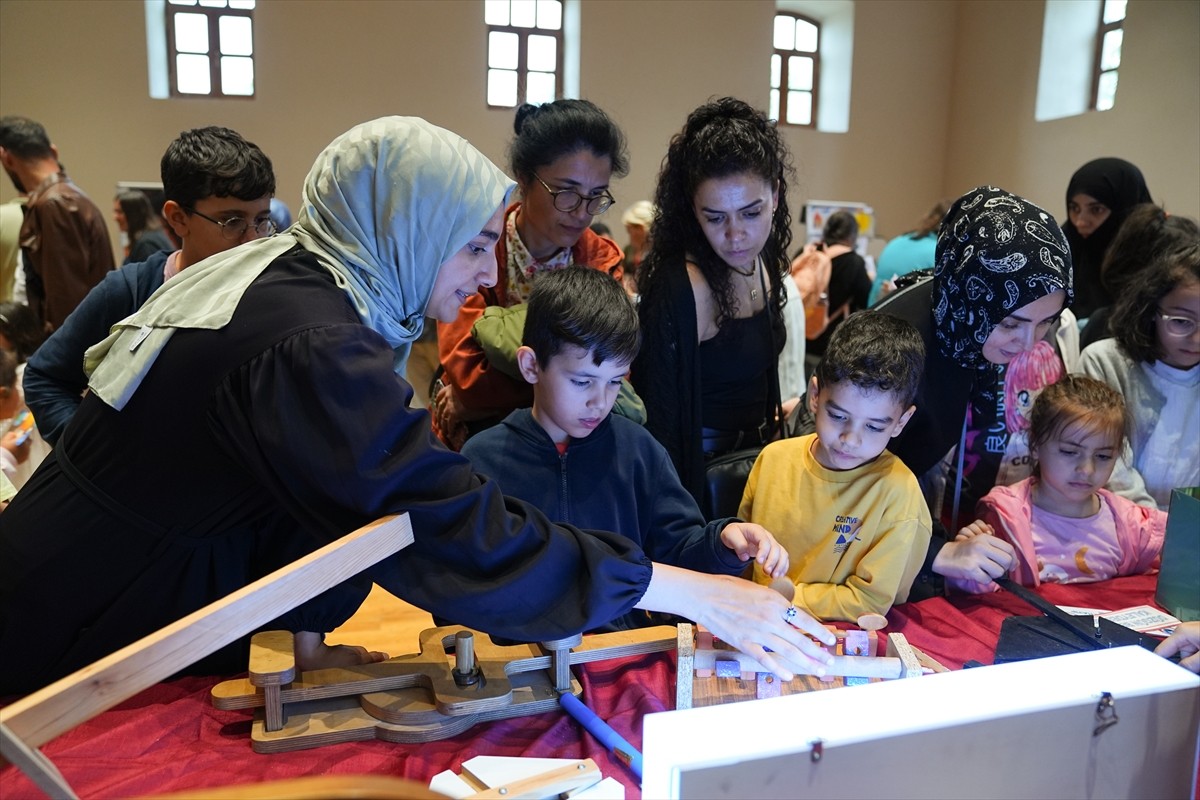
pixel 850 514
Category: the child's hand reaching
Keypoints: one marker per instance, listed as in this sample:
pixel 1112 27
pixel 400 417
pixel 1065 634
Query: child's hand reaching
pixel 752 541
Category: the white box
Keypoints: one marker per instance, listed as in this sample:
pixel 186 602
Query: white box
pixel 1024 729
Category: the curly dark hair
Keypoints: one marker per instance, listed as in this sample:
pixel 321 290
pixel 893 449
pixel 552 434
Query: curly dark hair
pixel 1135 317
pixel 721 138
pixel 874 350
pixel 215 162
pixel 545 133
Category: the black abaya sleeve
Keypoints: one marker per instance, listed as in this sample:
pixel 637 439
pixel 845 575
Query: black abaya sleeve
pixel 323 422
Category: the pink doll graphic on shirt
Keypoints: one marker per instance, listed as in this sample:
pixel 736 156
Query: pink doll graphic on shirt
pixel 1024 379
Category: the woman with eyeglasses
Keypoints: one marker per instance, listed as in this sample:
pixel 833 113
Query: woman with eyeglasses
pixel 1154 358
pixel 712 290
pixel 563 156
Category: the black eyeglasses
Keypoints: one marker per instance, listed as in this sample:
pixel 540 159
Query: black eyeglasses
pixel 567 200
pixel 235 228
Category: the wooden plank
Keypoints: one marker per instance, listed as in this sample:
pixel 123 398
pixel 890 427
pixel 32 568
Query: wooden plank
pixel 319 787
pixel 51 711
pixel 35 765
pixel 555 783
pixel 686 666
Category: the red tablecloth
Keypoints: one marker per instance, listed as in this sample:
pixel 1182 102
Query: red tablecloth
pixel 170 738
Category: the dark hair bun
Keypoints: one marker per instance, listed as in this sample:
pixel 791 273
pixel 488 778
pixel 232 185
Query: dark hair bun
pixel 525 111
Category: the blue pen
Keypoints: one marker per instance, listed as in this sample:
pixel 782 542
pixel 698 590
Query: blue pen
pixel 597 727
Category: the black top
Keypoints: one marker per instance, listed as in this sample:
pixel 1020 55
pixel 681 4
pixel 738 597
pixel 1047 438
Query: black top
pixel 735 368
pixel 666 374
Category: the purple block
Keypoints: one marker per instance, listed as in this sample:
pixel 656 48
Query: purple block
pixel 728 669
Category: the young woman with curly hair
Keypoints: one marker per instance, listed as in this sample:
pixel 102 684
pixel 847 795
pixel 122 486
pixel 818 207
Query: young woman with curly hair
pixel 712 288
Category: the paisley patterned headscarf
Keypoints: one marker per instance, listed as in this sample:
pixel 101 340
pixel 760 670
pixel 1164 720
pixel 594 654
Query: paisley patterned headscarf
pixel 996 252
pixel 385 204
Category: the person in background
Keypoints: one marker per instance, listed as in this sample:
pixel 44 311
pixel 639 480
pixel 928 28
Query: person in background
pixel 218 188
pixel 849 283
pixel 141 226
pixel 1100 195
pixel 14 436
pixel 637 219
pixel 564 156
pixel 907 253
pixel 281 215
pixel 1154 362
pixel 711 290
pixel 602 230
pixel 64 240
pixel 11 218
pixel 21 334
pixel 265 388
pixel 579 464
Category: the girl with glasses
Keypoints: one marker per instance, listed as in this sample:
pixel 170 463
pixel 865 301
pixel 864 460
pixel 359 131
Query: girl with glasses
pixel 563 156
pixel 1154 359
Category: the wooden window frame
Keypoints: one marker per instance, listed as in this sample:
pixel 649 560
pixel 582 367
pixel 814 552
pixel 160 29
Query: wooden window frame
pixel 1098 54
pixel 523 70
pixel 784 55
pixel 213 16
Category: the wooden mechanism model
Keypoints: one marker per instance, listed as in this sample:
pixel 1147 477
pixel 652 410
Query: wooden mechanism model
pixel 710 672
pixel 419 697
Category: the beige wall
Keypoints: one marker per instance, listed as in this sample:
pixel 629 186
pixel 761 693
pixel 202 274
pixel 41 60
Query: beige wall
pixel 943 92
pixel 1155 124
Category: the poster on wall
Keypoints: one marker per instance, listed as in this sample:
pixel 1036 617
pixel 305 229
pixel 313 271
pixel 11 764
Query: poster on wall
pixel 816 212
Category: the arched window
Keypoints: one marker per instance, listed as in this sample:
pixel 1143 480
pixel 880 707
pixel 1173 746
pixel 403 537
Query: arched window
pixel 525 51
pixel 1109 39
pixel 795 70
pixel 210 47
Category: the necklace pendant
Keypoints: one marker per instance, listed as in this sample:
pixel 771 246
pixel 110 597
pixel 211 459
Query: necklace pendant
pixel 753 294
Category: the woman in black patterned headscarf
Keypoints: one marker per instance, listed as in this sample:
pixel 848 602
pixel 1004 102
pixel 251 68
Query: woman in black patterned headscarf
pixel 1002 277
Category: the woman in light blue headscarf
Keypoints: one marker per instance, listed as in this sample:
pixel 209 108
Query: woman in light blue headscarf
pixel 254 410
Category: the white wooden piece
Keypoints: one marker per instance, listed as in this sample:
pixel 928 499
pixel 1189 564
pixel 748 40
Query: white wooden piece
pixel 1019 730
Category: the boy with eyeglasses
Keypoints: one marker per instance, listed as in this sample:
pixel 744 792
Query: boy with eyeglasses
pixel 218 190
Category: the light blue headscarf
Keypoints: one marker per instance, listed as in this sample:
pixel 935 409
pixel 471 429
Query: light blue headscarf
pixel 385 204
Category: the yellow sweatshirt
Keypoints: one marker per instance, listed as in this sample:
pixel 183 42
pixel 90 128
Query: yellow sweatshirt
pixel 856 538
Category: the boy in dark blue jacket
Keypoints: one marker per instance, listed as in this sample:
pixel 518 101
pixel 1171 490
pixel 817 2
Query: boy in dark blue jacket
pixel 218 190
pixel 582 465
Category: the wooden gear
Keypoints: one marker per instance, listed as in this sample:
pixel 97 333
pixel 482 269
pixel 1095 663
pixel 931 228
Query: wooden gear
pixel 420 697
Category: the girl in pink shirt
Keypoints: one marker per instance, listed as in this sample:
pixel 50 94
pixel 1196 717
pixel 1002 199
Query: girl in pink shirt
pixel 1065 526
